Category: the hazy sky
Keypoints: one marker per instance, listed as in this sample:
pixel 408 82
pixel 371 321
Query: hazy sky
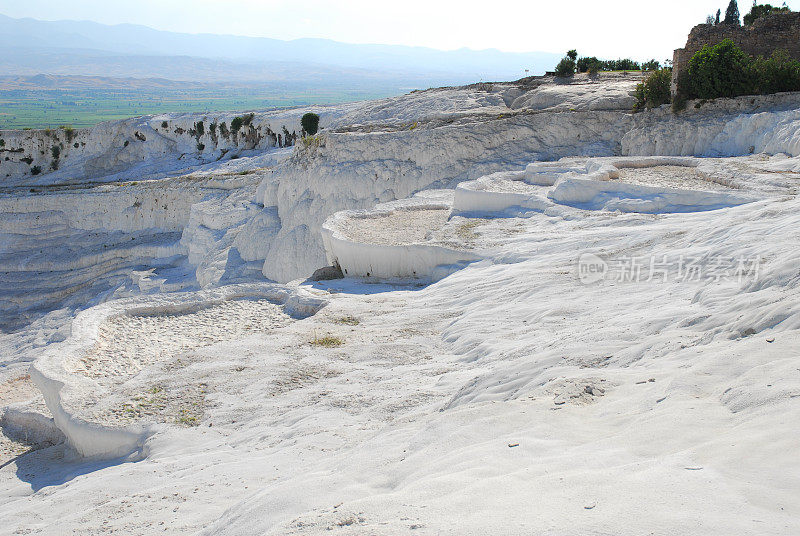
pixel 623 28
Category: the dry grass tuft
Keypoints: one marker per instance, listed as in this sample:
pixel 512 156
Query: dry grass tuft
pixel 348 321
pixel 327 342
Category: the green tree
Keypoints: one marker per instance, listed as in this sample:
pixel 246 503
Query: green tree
pixel 565 67
pixel 762 10
pixel 236 124
pixel 583 64
pixel 732 14
pixel 775 74
pixel 652 65
pixel 716 20
pixel 310 123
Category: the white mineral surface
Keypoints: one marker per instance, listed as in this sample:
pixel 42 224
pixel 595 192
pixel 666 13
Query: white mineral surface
pixel 584 321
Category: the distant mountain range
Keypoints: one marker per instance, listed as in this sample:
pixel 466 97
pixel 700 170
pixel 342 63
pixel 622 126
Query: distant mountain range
pixel 32 47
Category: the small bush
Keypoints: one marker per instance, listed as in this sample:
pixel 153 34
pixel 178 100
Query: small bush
pixel 247 119
pixel 55 150
pixel 164 124
pixel 35 170
pixel 2 142
pixel 654 91
pixel 236 124
pixel 311 141
pixel 310 123
pixel 200 146
pixel 199 128
pixel 213 128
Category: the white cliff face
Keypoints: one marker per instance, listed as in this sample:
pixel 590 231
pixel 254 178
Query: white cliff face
pixel 78 246
pixel 147 147
pixel 729 127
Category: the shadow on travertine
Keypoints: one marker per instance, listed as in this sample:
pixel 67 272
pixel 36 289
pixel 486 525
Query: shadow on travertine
pixel 57 465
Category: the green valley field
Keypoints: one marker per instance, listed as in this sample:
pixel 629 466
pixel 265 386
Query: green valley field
pixel 84 107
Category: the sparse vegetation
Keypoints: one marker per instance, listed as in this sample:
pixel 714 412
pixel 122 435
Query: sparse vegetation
pixel 187 418
pixel 69 132
pixel 311 141
pixel 55 150
pixel 164 124
pixel 35 170
pixel 654 91
pixel 200 146
pixel 328 341
pixel 310 123
pixel 199 129
pixel 466 231
pixel 2 142
pixel 348 321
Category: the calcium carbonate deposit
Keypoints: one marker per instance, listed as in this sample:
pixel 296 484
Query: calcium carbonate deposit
pixel 556 317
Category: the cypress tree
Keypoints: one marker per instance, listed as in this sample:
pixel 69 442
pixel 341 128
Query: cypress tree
pixel 732 14
pixel 716 21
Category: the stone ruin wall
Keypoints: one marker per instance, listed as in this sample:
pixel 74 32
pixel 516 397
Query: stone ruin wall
pixel 779 31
